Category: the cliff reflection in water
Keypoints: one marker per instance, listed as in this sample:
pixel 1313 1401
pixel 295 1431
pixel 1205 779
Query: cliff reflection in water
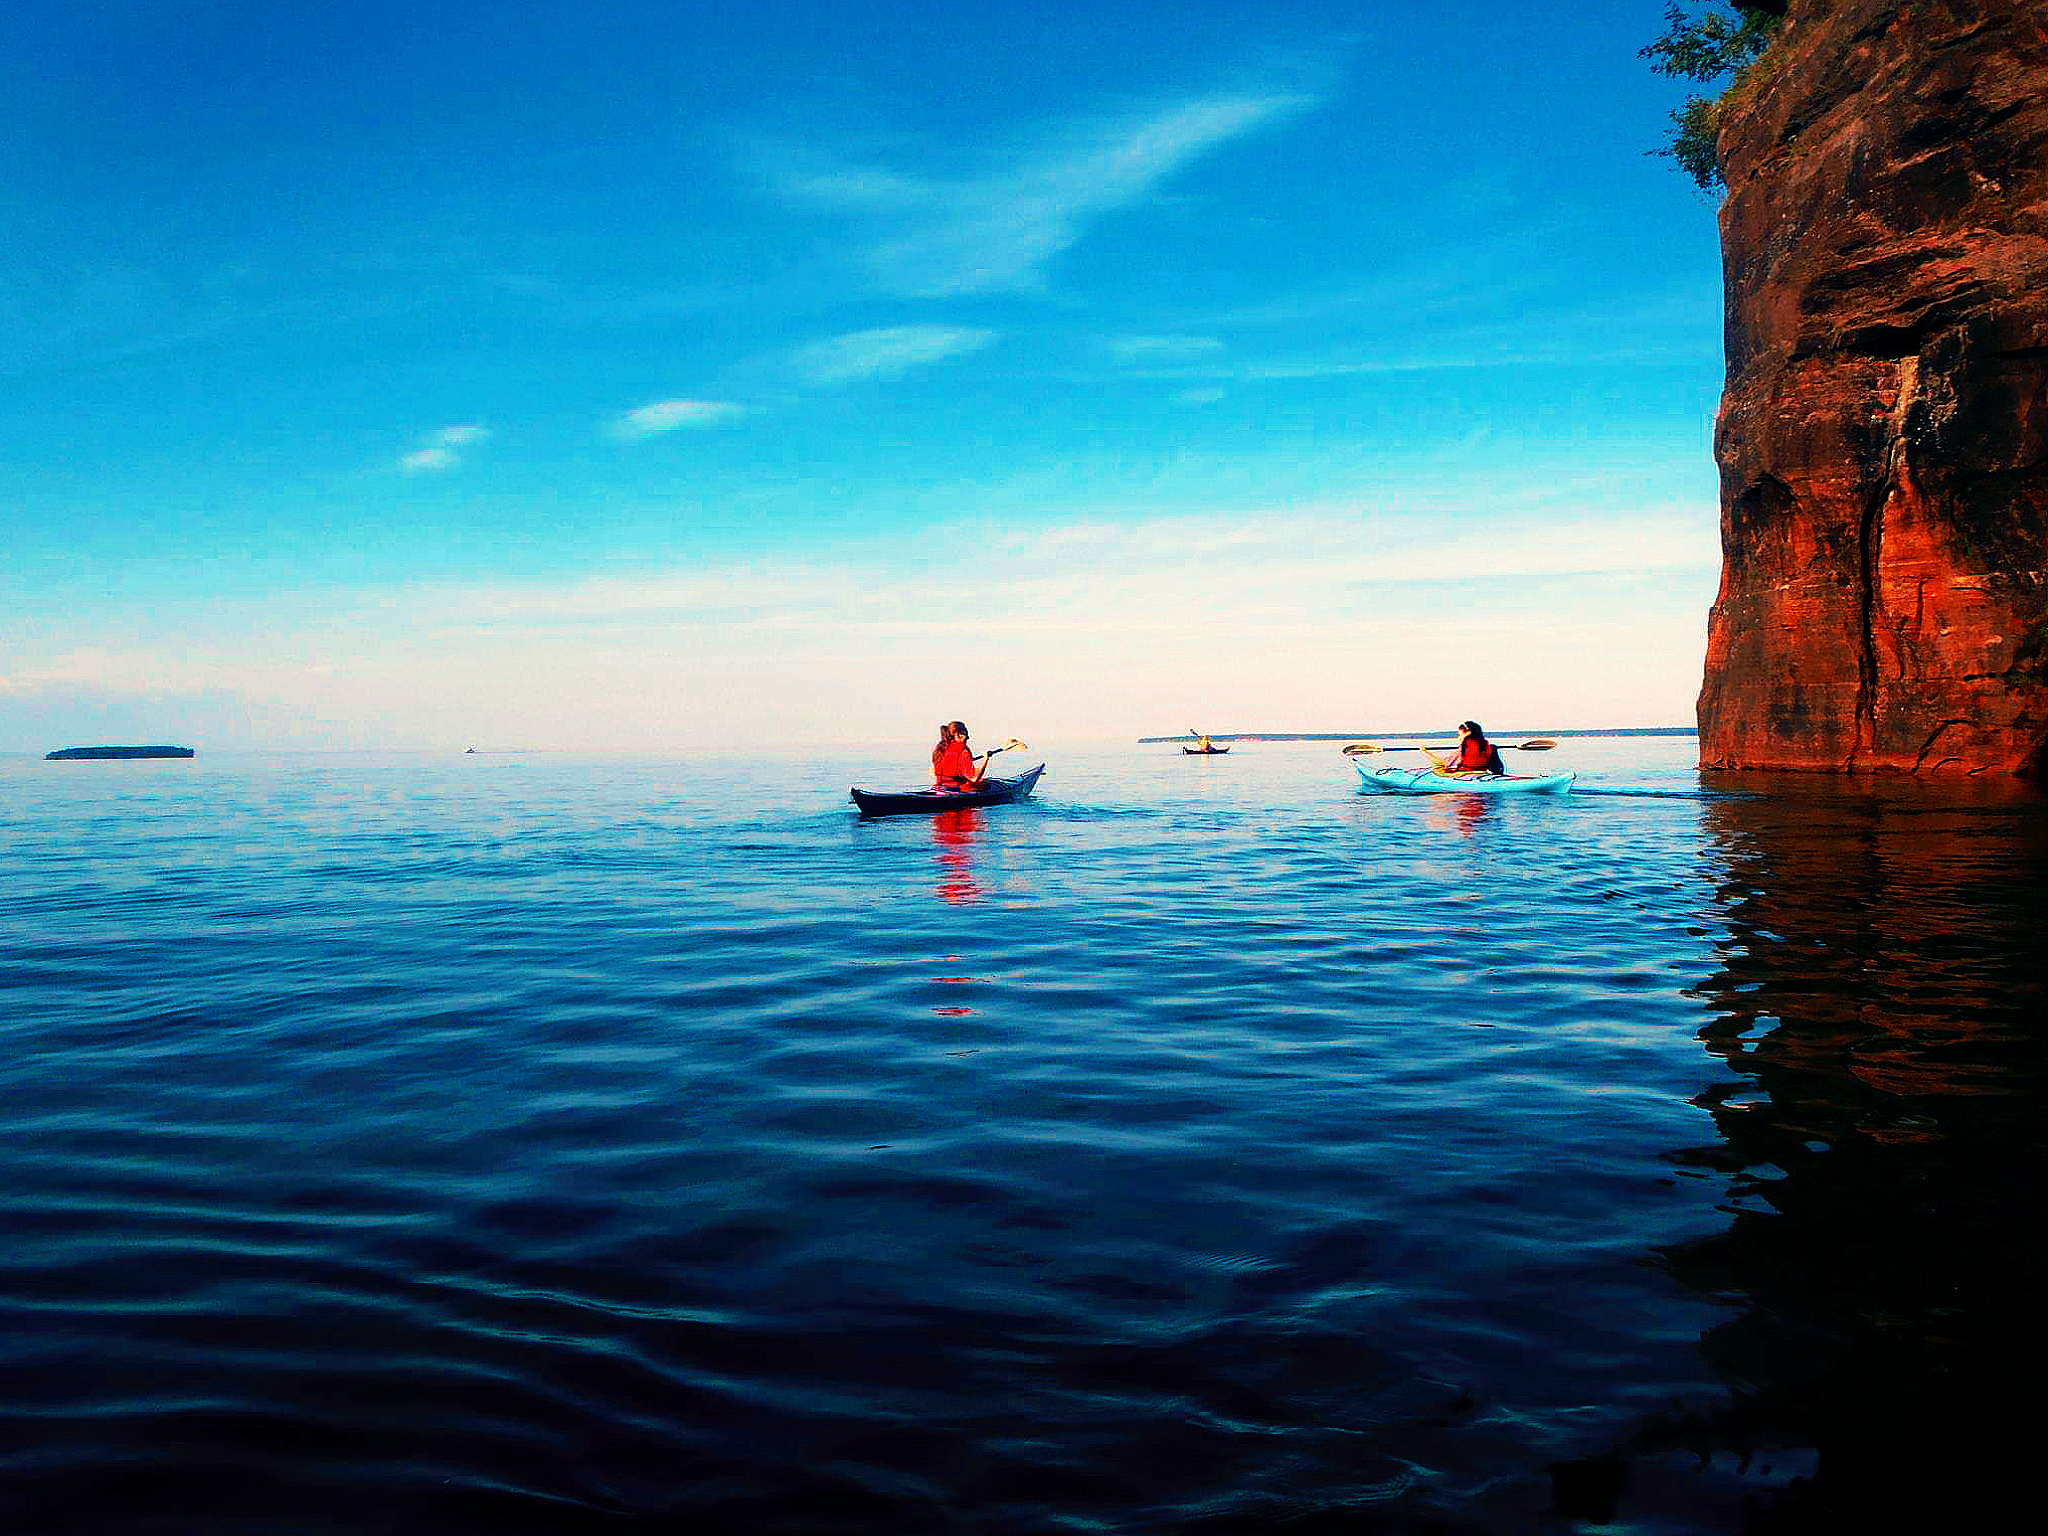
pixel 1881 988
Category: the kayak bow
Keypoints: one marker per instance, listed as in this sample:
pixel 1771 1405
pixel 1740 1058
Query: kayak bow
pixel 925 802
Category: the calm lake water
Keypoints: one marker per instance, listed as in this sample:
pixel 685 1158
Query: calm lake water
pixel 525 1143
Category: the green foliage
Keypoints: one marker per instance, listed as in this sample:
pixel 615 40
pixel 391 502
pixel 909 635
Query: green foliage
pixel 1710 45
pixel 1695 141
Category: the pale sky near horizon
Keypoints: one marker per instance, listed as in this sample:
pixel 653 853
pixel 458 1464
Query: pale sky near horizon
pixel 656 375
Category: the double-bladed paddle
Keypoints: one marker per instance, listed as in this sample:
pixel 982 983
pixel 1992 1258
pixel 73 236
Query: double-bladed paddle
pixel 1012 745
pixel 1367 749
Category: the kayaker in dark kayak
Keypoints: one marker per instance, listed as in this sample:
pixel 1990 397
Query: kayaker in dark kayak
pixel 1475 753
pixel 955 769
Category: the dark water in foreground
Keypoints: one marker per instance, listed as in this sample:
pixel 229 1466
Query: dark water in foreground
pixel 525 1144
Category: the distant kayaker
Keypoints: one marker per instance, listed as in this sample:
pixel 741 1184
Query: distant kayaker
pixel 1475 753
pixel 955 769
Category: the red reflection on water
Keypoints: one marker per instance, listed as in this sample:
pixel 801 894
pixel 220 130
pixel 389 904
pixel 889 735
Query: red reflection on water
pixel 953 837
pixel 1461 814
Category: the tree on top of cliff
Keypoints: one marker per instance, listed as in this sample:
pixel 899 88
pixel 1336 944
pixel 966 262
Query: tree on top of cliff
pixel 1708 46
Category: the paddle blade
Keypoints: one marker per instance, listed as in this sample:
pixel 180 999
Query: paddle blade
pixel 1541 744
pixel 1362 749
pixel 1014 745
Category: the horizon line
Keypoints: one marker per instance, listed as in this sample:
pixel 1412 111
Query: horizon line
pixel 1618 730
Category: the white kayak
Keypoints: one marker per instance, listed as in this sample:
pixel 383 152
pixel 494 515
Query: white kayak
pixel 1427 781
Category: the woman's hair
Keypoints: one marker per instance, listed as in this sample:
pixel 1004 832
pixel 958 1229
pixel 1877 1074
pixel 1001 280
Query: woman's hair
pixel 1473 727
pixel 946 735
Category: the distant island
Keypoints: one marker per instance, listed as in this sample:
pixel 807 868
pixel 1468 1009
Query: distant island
pixel 1620 730
pixel 78 754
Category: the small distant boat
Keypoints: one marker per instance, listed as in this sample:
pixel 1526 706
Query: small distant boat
pixel 1203 751
pixel 1427 781
pixel 928 801
pixel 96 754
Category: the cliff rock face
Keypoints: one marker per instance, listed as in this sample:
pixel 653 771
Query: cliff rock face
pixel 1883 438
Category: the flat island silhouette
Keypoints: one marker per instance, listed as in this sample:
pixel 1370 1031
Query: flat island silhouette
pixel 82 754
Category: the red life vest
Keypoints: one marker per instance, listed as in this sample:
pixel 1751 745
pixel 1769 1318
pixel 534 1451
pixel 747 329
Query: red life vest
pixel 1478 755
pixel 953 766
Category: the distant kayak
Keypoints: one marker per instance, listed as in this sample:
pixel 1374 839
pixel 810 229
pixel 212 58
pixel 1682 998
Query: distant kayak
pixel 928 801
pixel 1203 751
pixel 1427 781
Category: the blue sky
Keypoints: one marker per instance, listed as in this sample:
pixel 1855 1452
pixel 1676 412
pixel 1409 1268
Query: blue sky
pixel 650 376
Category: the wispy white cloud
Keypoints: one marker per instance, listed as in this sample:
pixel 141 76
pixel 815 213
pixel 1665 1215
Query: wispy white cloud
pixel 86 666
pixel 659 416
pixel 932 236
pixel 1164 348
pixel 442 449
pixel 1556 620
pixel 1283 554
pixel 884 353
pixel 1112 574
pixel 1455 354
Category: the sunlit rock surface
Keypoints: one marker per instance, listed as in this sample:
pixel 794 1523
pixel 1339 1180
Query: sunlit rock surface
pixel 1883 438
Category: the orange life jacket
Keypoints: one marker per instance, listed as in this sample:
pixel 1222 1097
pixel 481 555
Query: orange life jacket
pixel 953 766
pixel 1478 755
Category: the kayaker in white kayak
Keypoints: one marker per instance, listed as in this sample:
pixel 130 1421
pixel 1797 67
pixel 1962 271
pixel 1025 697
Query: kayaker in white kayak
pixel 955 768
pixel 1476 755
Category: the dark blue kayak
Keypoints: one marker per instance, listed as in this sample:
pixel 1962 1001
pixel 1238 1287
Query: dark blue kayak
pixel 926 801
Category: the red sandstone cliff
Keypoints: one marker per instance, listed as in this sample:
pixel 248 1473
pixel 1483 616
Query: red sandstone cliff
pixel 1883 438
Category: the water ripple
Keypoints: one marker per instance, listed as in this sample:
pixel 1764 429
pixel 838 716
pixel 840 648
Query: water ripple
pixel 541 1146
